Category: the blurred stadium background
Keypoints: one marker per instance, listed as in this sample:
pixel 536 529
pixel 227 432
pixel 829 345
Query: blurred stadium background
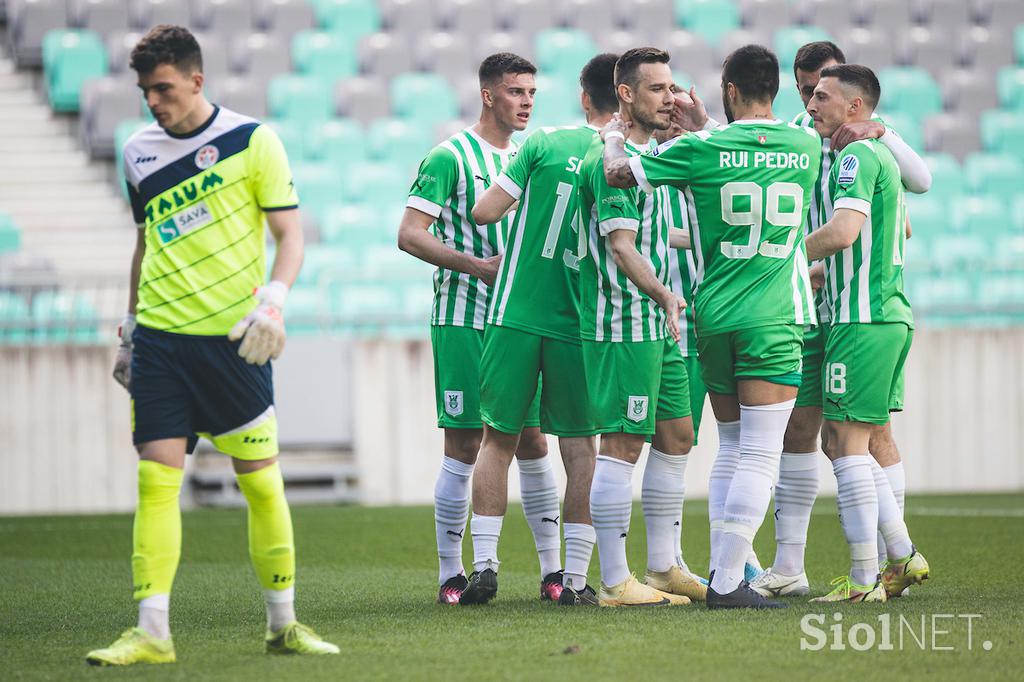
pixel 359 90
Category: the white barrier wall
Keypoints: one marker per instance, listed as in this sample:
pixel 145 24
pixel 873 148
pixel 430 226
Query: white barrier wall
pixel 65 444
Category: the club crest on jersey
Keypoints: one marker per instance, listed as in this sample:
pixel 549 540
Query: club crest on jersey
pixel 848 170
pixel 762 138
pixel 207 156
pixel 637 408
pixel 453 403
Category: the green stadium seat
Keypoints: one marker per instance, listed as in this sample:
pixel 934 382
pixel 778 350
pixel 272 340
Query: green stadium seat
pixel 14 319
pixel 1008 254
pixel 1001 132
pixel 956 251
pixel 357 227
pixel 557 103
pixel 1003 294
pixel 998 174
pixel 350 18
pixel 400 142
pixel 340 141
pixel 62 317
pixel 321 262
pixel 787 103
pixel 424 99
pixel 124 130
pixel 378 184
pixel 563 51
pixel 1010 86
pixel 791 38
pixel 292 137
pixel 982 216
pixel 364 307
pixel 70 58
pixel 910 90
pixel 307 311
pixel 929 216
pixel 947 177
pixel 1018 44
pixel 1018 215
pixel 10 235
pixel 328 56
pixel 712 19
pixel 906 127
pixel 943 298
pixel 319 186
pixel 299 98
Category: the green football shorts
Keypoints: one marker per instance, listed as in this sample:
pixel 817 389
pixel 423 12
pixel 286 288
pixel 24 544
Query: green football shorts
pixel 698 393
pixel 863 374
pixel 770 353
pixel 513 360
pixel 625 378
pixel 457 356
pixel 813 358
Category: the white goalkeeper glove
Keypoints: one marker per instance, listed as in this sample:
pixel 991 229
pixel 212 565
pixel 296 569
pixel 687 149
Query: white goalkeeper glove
pixel 123 362
pixel 262 330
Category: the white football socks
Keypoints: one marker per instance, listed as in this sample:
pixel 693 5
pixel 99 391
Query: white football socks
pixel 540 505
pixel 451 508
pixel 485 530
pixel 750 492
pixel 722 470
pixel 893 531
pixel 898 483
pixel 858 514
pixel 280 607
pixel 664 487
pixel 154 615
pixel 579 545
pixel 611 503
pixel 794 497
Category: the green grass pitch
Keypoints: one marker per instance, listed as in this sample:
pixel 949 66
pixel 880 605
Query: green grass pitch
pixel 367 581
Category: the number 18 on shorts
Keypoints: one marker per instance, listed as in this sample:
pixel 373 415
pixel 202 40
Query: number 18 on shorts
pixel 863 370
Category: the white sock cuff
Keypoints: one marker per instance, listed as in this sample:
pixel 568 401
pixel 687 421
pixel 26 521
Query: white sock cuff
pixel 534 466
pixel 849 461
pixel 454 466
pixel 485 525
pixel 160 602
pixel 798 461
pixel 623 466
pixel 665 458
pixel 717 524
pixel 729 432
pixel 897 476
pixel 739 528
pixel 863 551
pixel 280 596
pixel 579 531
pixel 774 407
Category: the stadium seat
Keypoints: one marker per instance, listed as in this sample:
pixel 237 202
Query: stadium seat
pixel 969 92
pixel 646 16
pixel 929 216
pixel 689 51
pixel 952 134
pixel 1008 254
pixel 62 317
pixel 986 50
pixel 710 18
pixel 70 58
pixel 378 184
pixel 906 127
pixel 226 18
pixel 787 103
pixel 105 102
pixel 468 17
pixel 423 98
pixel 102 17
pixel 943 298
pixel 385 55
pixel 1001 132
pixel 618 41
pixel 15 319
pixel 1018 218
pixel 683 79
pixel 944 15
pixel 835 16
pixel 307 311
pixel 243 94
pixel 563 52
pixel 29 26
pixel 285 18
pixel 1003 295
pixel 293 137
pixel 998 174
pixel 327 56
pixel 954 252
pixel 910 90
pixel 443 53
pixel 319 186
pixel 590 16
pixel 261 56
pixel 357 228
pixel 363 307
pixel 767 16
pixel 363 99
pixel 1002 12
pixel 322 262
pixel 1010 85
pixel 729 42
pixel 398 141
pixel 215 54
pixel 339 141
pixel 119 48
pixel 148 13
pixel 927 49
pixel 982 217
pixel 10 235
pixel 557 102
pixel 299 98
pixel 1018 44
pixel 350 18
pixel 874 47
pixel 947 177
pixel 122 132
pixel 406 18
pixel 519 43
pixel 528 17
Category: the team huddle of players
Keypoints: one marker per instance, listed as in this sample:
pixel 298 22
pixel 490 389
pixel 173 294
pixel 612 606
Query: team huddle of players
pixel 601 280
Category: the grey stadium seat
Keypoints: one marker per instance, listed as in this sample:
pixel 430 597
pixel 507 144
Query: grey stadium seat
pixel 469 17
pixel 362 98
pixel 284 18
pixel 148 13
pixel 986 49
pixel 1004 13
pixel 468 92
pixel 224 17
pixel 28 23
pixel 119 50
pixel 215 55
pixel 688 50
pixel 104 103
pixel 618 42
pixel 528 16
pixel 519 43
pixel 385 55
pixel 105 17
pixel 445 54
pixel 835 16
pixel 896 16
pixel 929 49
pixel 408 17
pixel 943 15
pixel 646 17
pixel 590 16
pixel 244 94
pixel 709 89
pixel 260 55
pixel 765 16
pixel 442 131
pixel 734 40
pixel 873 47
pixel 956 135
pixel 969 92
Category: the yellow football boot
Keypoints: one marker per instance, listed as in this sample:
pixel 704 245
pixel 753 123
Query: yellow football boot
pixel 631 592
pixel 901 574
pixel 134 646
pixel 847 590
pixel 677 581
pixel 296 638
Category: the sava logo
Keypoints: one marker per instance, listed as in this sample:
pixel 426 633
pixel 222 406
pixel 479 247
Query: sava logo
pixel 193 217
pixel 848 170
pixel 637 408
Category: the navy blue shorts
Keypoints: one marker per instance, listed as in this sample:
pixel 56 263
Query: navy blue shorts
pixel 185 386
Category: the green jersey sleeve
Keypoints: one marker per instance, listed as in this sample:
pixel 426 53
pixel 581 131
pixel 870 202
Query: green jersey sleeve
pixel 272 176
pixel 616 208
pixel 672 164
pixel 435 180
pixel 856 175
pixel 514 177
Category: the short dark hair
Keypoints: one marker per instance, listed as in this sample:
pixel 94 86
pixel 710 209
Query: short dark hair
pixel 497 65
pixel 860 77
pixel 627 68
pixel 754 70
pixel 598 80
pixel 167 44
pixel 812 56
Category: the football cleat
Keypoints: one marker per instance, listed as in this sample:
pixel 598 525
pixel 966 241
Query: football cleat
pixel 584 597
pixel 771 584
pixel 751 572
pixel 452 589
pixel 296 638
pixel 899 575
pixel 630 592
pixel 677 581
pixel 848 591
pixel 741 598
pixel 482 587
pixel 134 646
pixel 551 586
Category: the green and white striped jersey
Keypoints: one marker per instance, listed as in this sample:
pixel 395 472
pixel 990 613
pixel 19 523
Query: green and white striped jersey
pixel 449 180
pixel 682 270
pixel 864 282
pixel 537 288
pixel 612 307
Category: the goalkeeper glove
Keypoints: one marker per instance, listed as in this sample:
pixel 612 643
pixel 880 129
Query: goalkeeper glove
pixel 123 362
pixel 262 330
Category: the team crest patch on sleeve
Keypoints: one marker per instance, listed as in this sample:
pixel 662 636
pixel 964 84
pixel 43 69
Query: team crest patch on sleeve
pixel 453 404
pixel 637 409
pixel 207 156
pixel 848 170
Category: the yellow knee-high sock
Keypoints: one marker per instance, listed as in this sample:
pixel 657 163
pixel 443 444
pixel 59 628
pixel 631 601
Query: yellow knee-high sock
pixel 271 544
pixel 156 535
